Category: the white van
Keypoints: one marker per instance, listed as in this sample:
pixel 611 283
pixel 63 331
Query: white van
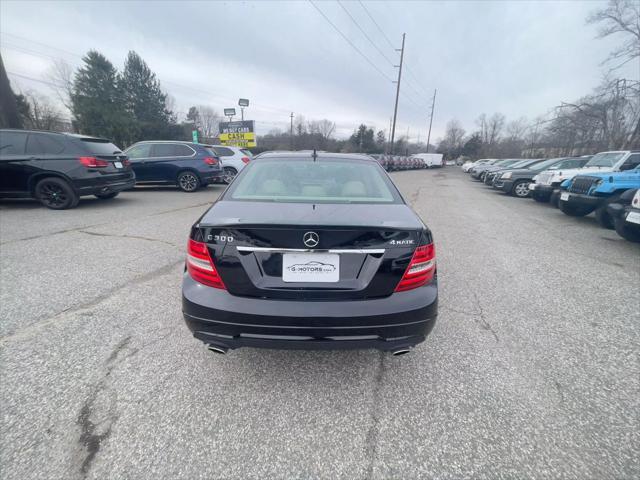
pixel 430 159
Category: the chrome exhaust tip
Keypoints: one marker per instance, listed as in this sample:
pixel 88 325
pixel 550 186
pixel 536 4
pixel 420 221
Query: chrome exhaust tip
pixel 401 351
pixel 217 349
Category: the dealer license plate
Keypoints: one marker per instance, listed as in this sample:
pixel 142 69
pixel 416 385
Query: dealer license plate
pixel 564 196
pixel 311 267
pixel 117 164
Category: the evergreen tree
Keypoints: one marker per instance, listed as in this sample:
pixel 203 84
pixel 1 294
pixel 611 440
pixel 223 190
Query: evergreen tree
pixel 144 99
pixel 97 103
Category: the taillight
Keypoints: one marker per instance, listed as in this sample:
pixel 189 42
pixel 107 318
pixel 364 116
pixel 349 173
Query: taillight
pixel 420 270
pixel 200 266
pixel 93 162
pixel 246 159
pixel 210 160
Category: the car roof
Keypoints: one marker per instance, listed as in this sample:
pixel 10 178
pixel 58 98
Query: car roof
pixel 319 155
pixel 51 132
pixel 184 142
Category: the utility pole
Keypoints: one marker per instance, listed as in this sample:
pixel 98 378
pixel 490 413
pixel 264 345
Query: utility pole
pixel 386 150
pixel 395 108
pixel 433 105
pixel 291 131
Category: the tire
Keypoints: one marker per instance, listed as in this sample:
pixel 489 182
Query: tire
pixel 107 196
pixel 626 232
pixel 228 175
pixel 602 216
pixel 188 181
pixel 56 193
pixel 520 189
pixel 554 199
pixel 575 210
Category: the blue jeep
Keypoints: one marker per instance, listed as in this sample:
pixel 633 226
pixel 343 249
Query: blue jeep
pixel 584 194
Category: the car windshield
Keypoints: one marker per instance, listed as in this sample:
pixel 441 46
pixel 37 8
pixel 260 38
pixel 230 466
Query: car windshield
pixel 326 180
pixel 544 165
pixel 520 163
pixel 605 159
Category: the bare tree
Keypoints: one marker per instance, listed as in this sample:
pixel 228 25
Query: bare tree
pixel 495 125
pixel 208 120
pixel 327 128
pixel 60 74
pixel 516 129
pixel 41 115
pixel 607 119
pixel 620 17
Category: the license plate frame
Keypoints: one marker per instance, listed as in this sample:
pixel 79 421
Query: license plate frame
pixel 118 164
pixel 310 267
pixel 564 196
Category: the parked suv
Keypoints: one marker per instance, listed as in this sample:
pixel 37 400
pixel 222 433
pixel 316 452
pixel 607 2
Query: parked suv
pixel 59 168
pixel 516 180
pixel 584 194
pixel 549 182
pixel 185 164
pixel 233 160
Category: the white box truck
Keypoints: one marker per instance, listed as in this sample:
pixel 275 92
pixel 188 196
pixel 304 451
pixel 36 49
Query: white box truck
pixel 431 159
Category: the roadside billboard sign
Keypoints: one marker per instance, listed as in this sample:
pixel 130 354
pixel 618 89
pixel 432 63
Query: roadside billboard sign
pixel 238 134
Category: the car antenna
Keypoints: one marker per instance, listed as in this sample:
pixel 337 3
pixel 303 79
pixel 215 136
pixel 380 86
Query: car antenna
pixel 314 155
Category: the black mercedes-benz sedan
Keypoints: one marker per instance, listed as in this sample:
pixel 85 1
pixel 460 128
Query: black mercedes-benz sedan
pixel 311 251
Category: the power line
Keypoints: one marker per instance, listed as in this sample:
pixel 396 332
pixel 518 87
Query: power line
pixel 386 38
pixel 364 33
pixel 350 42
pixel 376 24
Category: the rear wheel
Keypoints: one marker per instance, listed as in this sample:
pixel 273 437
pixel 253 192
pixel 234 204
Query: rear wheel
pixel 575 210
pixel 56 193
pixel 229 174
pixel 521 189
pixel 602 216
pixel 626 231
pixel 107 196
pixel 188 182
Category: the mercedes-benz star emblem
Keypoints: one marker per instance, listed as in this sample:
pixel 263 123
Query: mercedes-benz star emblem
pixel 311 239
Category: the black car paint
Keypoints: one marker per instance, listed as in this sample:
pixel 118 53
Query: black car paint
pixel 23 167
pixel 258 309
pixel 155 168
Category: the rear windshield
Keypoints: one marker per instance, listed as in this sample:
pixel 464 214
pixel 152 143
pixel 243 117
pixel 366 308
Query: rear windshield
pixel 605 159
pixel 246 152
pixel 99 146
pixel 323 181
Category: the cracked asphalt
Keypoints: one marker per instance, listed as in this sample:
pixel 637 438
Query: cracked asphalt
pixel 531 372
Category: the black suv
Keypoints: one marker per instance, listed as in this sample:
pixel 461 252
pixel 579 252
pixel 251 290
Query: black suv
pixel 185 164
pixel 59 168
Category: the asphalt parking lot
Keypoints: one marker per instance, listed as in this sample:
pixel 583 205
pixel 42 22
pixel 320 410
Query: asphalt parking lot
pixel 531 372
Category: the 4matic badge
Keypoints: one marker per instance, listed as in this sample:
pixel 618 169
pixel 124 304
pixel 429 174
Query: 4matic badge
pixel 401 242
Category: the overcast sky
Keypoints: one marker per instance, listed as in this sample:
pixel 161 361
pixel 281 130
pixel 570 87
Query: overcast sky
pixel 518 58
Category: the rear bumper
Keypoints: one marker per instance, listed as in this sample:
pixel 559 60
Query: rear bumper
pixel 105 186
pixel 216 317
pixel 210 176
